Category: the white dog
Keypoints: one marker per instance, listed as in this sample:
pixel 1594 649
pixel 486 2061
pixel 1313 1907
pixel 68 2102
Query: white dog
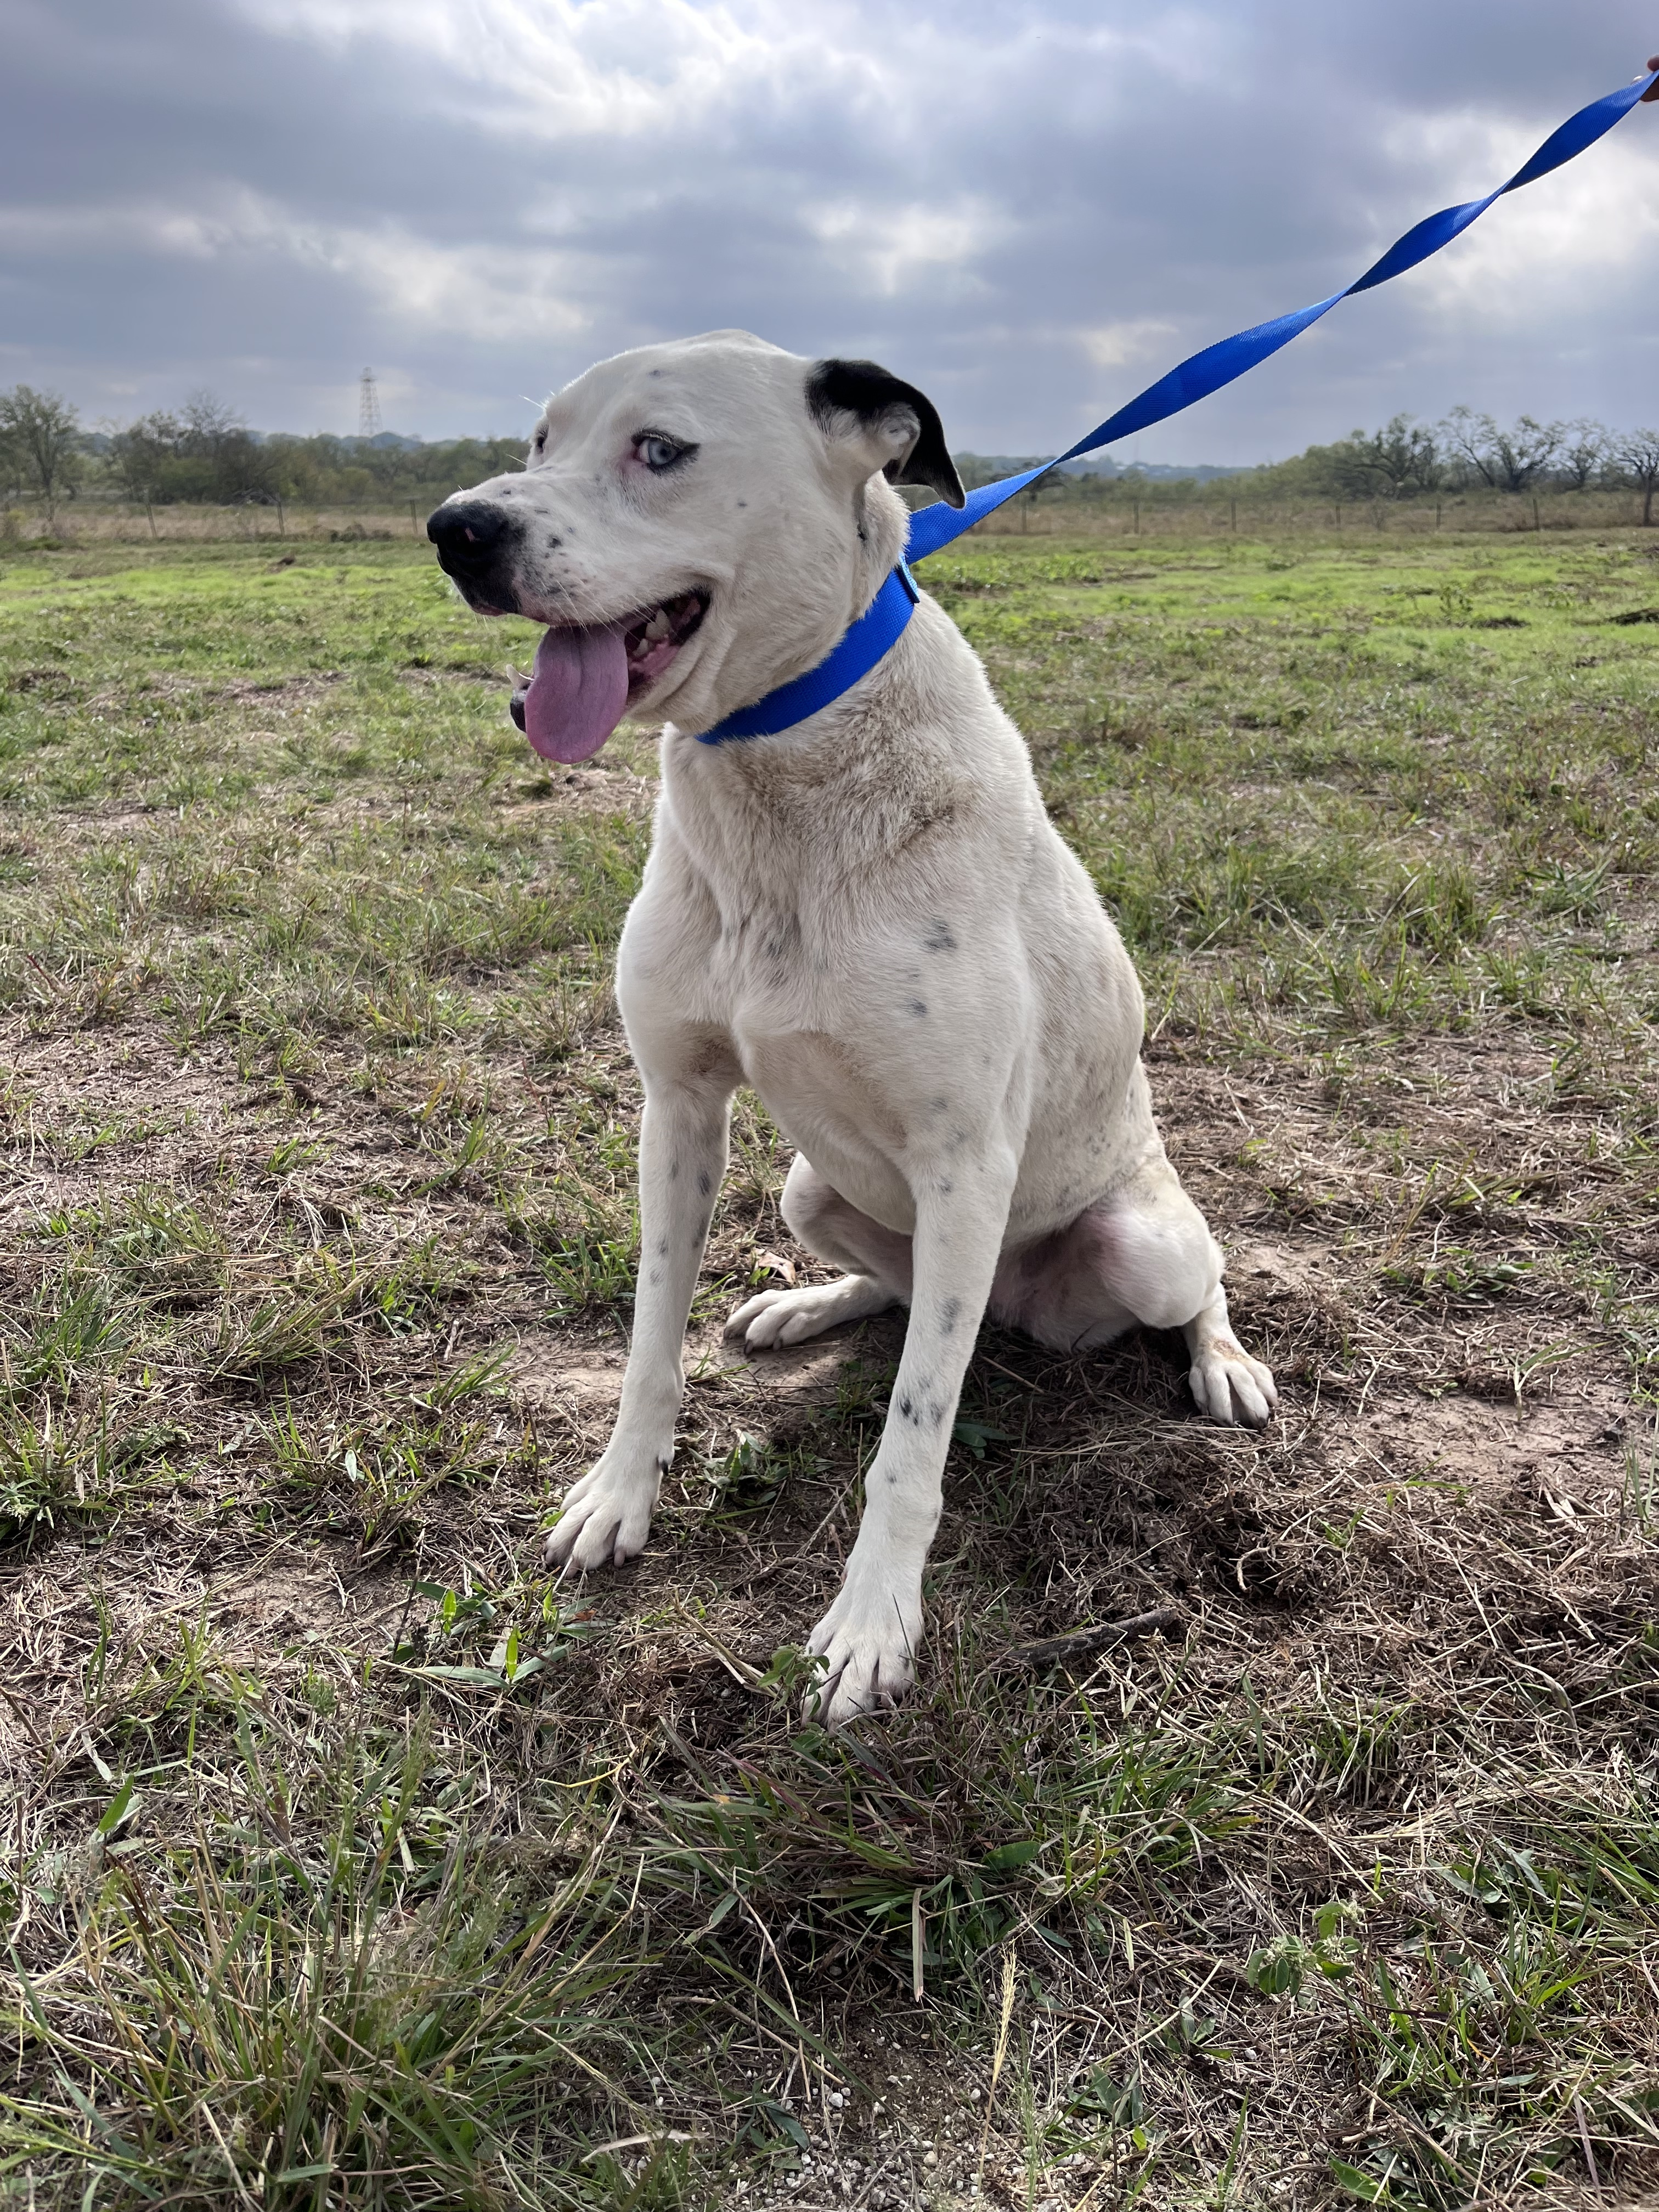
pixel 868 917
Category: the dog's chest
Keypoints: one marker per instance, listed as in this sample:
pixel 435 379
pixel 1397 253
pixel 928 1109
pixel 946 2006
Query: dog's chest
pixel 807 1014
pixel 774 982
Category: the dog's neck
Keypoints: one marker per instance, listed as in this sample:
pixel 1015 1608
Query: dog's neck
pixel 907 749
pixel 884 762
pixel 788 605
pixel 883 520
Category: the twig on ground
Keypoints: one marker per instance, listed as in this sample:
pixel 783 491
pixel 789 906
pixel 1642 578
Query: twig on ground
pixel 1079 1643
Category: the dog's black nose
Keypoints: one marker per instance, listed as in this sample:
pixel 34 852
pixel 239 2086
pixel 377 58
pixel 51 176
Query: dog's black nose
pixel 466 530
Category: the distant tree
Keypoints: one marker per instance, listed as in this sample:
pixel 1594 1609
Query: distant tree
pixel 1636 458
pixel 1583 454
pixel 204 452
pixel 142 455
pixel 41 435
pixel 239 468
pixel 1392 463
pixel 390 465
pixel 1508 460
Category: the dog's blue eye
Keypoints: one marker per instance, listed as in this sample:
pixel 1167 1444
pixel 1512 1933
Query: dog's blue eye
pixel 658 453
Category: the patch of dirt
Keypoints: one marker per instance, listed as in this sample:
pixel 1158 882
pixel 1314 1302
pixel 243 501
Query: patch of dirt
pixel 585 791
pixel 1569 1447
pixel 233 690
pixel 552 1377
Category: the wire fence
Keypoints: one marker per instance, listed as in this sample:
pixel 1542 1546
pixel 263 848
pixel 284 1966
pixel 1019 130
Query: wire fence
pixel 1111 511
pixel 1120 513
pixel 86 522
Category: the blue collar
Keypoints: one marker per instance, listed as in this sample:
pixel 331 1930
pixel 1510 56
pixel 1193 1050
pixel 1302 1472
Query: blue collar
pixel 875 631
pixel 883 622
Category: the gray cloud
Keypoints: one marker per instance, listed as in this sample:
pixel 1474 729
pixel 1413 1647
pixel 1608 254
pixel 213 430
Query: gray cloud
pixel 1030 211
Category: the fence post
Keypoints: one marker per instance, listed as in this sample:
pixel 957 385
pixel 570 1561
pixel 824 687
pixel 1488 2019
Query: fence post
pixel 1339 516
pixel 1536 523
pixel 282 519
pixel 1437 515
pixel 413 526
pixel 1137 518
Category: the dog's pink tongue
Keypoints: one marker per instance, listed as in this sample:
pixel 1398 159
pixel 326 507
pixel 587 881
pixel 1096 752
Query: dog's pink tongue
pixel 577 694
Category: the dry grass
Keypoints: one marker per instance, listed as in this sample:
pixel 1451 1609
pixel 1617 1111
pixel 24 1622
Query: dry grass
pixel 348 1861
pixel 107 522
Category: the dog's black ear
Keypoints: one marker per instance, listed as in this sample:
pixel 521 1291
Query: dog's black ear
pixel 894 414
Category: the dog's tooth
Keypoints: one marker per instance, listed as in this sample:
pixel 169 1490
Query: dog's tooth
pixel 658 627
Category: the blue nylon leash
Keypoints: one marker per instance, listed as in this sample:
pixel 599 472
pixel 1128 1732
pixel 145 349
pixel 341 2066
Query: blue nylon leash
pixel 1194 379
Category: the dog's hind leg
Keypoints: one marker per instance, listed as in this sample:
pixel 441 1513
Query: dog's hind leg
pixel 877 1259
pixel 1143 1255
pixel 1162 1261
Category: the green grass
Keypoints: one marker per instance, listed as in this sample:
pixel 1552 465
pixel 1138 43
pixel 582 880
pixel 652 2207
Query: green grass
pixel 345 1860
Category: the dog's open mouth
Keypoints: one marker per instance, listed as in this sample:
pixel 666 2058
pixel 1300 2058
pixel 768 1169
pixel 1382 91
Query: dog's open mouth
pixel 584 678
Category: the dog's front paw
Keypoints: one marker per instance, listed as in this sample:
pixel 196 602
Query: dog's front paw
pixel 1230 1386
pixel 868 1641
pixel 606 1517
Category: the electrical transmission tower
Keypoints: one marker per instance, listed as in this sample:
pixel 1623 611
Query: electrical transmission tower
pixel 368 406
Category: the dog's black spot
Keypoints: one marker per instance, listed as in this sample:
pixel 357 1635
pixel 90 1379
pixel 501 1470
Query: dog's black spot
pixel 864 389
pixel 653 372
pixel 673 1171
pixel 918 1008
pixel 936 1414
pixel 908 1410
pixel 703 1182
pixel 937 1105
pixel 656 1275
pixel 949 1314
pixel 782 940
pixel 742 503
pixel 945 1188
pixel 662 1249
pixel 663 1466
pixel 939 938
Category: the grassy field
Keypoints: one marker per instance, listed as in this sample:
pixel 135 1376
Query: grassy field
pixel 346 1861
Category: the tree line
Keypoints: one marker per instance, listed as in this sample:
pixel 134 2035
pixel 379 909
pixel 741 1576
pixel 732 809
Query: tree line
pixel 204 452
pixel 1470 451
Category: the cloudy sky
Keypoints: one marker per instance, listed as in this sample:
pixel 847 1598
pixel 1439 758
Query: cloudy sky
pixel 1028 209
